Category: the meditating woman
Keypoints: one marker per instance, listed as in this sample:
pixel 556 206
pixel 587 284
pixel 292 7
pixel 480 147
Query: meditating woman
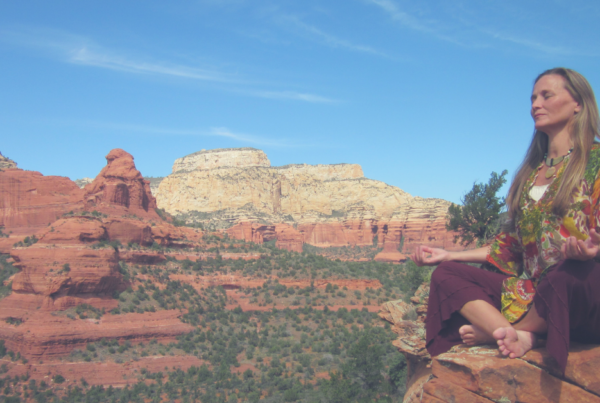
pixel 550 281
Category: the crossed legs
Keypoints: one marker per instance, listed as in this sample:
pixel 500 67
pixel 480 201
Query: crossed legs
pixel 489 325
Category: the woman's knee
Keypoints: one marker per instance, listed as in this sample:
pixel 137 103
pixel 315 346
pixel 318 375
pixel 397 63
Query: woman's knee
pixel 573 271
pixel 570 275
pixel 442 272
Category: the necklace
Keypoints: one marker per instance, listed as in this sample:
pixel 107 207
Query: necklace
pixel 552 162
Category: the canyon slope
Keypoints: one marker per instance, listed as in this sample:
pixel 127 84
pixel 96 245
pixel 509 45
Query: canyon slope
pixel 99 288
pixel 322 205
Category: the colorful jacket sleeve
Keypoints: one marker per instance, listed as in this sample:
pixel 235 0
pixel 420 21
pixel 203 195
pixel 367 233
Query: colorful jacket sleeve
pixel 506 253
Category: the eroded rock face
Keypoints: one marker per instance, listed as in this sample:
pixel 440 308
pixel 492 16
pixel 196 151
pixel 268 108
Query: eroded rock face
pixel 222 157
pixel 287 236
pixel 47 336
pixel 120 184
pixel 43 272
pixel 6 163
pixel 30 201
pixel 326 205
pixel 482 374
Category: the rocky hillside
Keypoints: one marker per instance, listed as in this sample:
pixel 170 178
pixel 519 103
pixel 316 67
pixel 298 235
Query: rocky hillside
pixel 322 205
pixel 101 299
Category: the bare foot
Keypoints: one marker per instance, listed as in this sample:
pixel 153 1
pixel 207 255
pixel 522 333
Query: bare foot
pixel 472 335
pixel 514 343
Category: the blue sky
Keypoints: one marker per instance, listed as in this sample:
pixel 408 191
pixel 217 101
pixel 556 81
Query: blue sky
pixel 429 96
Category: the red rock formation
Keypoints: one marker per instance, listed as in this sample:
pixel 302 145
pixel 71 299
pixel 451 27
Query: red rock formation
pixel 44 335
pixel 169 235
pixel 288 238
pixel 120 186
pixel 252 232
pixel 73 230
pixel 128 231
pixel 389 234
pixel 90 272
pixel 30 201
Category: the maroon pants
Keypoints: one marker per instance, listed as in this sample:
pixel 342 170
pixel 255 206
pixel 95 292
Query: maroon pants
pixel 567 297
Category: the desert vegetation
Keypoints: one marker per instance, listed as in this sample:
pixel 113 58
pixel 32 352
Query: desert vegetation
pixel 300 343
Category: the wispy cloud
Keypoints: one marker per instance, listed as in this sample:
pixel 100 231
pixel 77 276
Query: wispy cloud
pixel 411 22
pixel 461 31
pixel 92 57
pixel 80 50
pixel 133 129
pixel 294 96
pixel 328 39
pixel 538 46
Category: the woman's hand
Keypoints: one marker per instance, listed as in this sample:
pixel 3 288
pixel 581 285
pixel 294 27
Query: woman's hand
pixel 582 250
pixel 426 256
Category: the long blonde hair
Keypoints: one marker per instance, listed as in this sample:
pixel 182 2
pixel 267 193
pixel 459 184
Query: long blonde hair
pixel 584 129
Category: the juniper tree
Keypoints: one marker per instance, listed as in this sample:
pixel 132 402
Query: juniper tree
pixel 479 216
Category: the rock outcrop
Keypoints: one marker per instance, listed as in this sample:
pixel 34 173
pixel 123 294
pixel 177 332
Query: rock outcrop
pixel 83 182
pixel 30 201
pixel 6 163
pixel 62 270
pixel 481 374
pixel 120 186
pixel 224 157
pixel 48 336
pixel 323 205
pixel 71 263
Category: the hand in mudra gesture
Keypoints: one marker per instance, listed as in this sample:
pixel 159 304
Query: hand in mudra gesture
pixel 582 250
pixel 426 256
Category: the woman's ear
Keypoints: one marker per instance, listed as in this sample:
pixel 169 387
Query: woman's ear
pixel 577 109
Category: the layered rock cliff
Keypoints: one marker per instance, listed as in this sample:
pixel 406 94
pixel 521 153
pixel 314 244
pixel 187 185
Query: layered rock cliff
pixel 327 205
pixel 63 265
pixel 29 200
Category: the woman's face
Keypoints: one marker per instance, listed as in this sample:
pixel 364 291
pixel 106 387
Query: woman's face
pixel 552 106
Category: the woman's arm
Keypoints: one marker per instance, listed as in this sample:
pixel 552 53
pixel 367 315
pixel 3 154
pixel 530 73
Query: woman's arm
pixel 426 256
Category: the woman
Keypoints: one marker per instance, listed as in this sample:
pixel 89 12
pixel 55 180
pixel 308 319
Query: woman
pixel 546 254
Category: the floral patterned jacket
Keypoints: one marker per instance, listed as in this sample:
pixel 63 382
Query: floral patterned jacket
pixel 535 245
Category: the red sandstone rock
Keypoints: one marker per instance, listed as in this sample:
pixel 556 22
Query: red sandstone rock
pixel 120 184
pixel 142 257
pixel 252 232
pixel 73 230
pixel 389 234
pixel 169 235
pixel 30 201
pixel 289 238
pixel 391 256
pixel 44 335
pixel 92 271
pixel 482 374
pixel 448 392
pixel 496 378
pixel 127 231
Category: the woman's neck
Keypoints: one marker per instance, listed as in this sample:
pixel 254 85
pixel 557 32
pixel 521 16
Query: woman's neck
pixel 559 144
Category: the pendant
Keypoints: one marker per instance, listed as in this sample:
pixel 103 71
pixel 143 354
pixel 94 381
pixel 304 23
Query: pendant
pixel 550 172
